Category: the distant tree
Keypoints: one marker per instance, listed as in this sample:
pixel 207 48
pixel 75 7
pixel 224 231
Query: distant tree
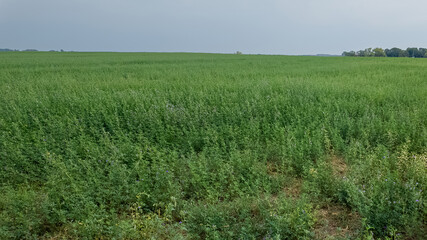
pixel 349 54
pixel 8 50
pixel 387 52
pixel 361 53
pixel 394 52
pixel 413 52
pixel 423 52
pixel 365 53
pixel 379 52
pixel 419 53
pixel 368 52
pixel 62 50
pixel 404 53
pixel 238 52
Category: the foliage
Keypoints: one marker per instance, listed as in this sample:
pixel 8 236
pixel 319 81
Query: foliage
pixel 264 218
pixel 151 145
pixel 394 52
pixel 388 190
pixel 379 52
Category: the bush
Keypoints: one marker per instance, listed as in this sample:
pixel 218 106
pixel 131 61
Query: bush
pixel 268 218
pixel 389 192
pixel 22 213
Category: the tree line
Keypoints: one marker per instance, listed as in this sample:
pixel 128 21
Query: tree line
pixel 26 50
pixel 8 50
pixel 394 52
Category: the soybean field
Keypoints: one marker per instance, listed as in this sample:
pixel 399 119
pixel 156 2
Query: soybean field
pixel 212 146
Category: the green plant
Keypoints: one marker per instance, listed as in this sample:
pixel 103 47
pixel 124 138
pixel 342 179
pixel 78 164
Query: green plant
pixel 82 134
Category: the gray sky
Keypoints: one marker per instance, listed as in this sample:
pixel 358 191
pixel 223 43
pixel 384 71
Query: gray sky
pixel 262 26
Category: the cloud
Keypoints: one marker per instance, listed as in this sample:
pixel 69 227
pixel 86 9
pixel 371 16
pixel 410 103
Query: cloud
pixel 370 13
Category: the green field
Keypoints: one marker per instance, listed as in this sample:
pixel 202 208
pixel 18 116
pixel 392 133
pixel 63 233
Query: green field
pixel 212 146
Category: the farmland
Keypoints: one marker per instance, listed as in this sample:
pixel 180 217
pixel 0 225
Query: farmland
pixel 211 146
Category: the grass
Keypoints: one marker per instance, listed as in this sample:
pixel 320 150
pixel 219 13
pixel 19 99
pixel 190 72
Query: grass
pixel 211 146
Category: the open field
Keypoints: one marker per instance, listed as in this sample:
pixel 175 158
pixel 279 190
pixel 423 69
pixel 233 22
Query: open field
pixel 210 146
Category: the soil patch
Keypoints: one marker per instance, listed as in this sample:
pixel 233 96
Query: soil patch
pixel 335 221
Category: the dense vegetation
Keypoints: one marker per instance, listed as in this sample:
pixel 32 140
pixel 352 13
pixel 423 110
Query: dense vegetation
pixel 209 146
pixel 394 52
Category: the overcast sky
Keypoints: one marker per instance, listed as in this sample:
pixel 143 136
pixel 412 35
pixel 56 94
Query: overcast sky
pixel 225 26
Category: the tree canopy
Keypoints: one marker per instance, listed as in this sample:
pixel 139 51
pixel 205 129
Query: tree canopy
pixel 393 52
